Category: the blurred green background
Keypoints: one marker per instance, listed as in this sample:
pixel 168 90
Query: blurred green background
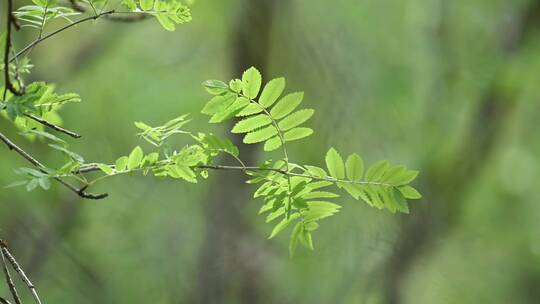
pixel 450 88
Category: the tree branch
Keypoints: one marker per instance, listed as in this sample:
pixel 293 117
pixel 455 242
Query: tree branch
pixel 79 191
pixel 18 269
pixel 4 301
pixel 52 126
pixel 94 168
pixel 9 280
pixel 10 19
pixel 41 39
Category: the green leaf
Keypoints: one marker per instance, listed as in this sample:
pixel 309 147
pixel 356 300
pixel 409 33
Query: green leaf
pixel 305 239
pixel 315 171
pixel 105 168
pixel 319 194
pixel 283 224
pixel 394 174
pixel 272 144
pixel 353 189
pixel 260 135
pixel 251 123
pixel 231 111
pixel 295 119
pixel 165 22
pixel 311 226
pixel 297 133
pixel 218 104
pixel 184 172
pixel 215 87
pixel 319 184
pixel 404 178
pixel 41 3
pixel 271 92
pixel 190 156
pixel 44 183
pixel 376 171
pixel 400 201
pixel 319 210
pixel 44 134
pixel 293 242
pixel 409 192
pixel 135 158
pixel 335 165
pixel 250 109
pixel 286 105
pixel 16 184
pixel 146 5
pixel 235 85
pixel 121 163
pixel 130 4
pixel 142 126
pixel 32 184
pixel 76 157
pixel 355 167
pixel 150 159
pixel 251 82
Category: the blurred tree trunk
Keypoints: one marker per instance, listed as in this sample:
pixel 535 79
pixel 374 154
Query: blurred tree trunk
pixel 449 181
pixel 230 260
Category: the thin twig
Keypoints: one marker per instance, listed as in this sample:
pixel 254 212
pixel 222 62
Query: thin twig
pixel 79 191
pixel 7 81
pixel 9 280
pixel 18 269
pixel 126 17
pixel 4 301
pixel 39 40
pixel 52 126
pixel 94 167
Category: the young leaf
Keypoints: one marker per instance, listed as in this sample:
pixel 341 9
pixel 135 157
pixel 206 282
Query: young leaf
pixel 218 104
pixel 121 163
pixel 286 105
pixel 293 242
pixel 271 92
pixel 295 119
pixel 44 183
pixel 316 171
pixel 215 87
pixel 334 162
pixel 250 109
pixel 260 135
pixel 130 4
pixel 251 123
pixel 235 85
pixel 409 192
pixel 297 133
pixel 184 172
pixel 405 178
pixel 355 167
pixel 146 5
pixel 305 239
pixel 105 168
pixel 394 174
pixel 376 171
pixel 283 224
pixel 135 158
pixel 231 111
pixel 319 194
pixel 165 21
pixel 272 144
pixel 251 82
